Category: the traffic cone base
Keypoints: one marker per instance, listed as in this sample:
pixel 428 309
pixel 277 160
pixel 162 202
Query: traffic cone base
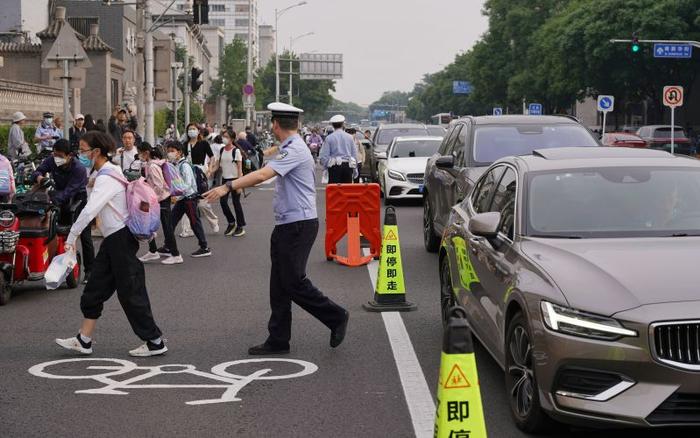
pixel 386 305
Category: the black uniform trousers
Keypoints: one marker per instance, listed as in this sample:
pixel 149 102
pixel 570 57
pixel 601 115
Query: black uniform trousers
pixel 340 174
pixel 117 268
pixel 290 246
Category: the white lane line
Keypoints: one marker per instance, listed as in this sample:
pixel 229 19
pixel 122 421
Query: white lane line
pixel 415 387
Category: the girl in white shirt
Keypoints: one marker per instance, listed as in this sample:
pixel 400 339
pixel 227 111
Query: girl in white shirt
pixel 116 266
pixel 230 162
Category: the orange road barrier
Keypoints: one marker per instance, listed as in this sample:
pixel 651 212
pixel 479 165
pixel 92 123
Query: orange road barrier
pixel 352 209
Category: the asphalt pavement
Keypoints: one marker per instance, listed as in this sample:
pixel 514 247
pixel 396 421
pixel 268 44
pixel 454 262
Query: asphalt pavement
pixel 211 310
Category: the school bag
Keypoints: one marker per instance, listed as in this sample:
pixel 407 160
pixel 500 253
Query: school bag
pixel 173 179
pixel 202 180
pixel 6 180
pixel 142 205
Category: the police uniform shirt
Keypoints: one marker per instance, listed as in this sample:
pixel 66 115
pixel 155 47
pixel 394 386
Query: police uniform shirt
pixel 338 144
pixel 295 186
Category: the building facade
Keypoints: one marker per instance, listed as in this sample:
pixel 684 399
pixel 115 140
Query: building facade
pixel 24 17
pixel 266 43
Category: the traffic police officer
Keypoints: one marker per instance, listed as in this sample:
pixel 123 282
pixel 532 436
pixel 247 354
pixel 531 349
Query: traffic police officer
pixel 338 153
pixel 296 227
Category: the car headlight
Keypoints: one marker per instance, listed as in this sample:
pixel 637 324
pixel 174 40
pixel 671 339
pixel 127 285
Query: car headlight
pixel 577 323
pixel 396 175
pixel 380 155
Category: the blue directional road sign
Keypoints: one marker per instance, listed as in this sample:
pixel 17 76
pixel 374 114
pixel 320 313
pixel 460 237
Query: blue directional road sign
pixel 606 103
pixel 498 111
pixel 461 87
pixel 535 109
pixel 678 51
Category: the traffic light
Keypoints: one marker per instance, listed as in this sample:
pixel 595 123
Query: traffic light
pixel 195 81
pixel 635 44
pixel 200 11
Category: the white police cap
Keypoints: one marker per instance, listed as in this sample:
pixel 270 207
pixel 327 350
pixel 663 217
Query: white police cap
pixel 279 109
pixel 338 119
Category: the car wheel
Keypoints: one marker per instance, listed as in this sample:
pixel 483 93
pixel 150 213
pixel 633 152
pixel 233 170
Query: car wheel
pixel 447 298
pixel 521 382
pixel 430 239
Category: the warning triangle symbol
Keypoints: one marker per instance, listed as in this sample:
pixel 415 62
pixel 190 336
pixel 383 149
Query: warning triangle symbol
pixel 390 235
pixel 456 379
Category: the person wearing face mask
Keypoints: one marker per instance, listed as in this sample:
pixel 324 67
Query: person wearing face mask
pixel 46 133
pixel 17 146
pixel 70 181
pixel 230 163
pixel 187 203
pixel 116 266
pixel 199 153
pixel 152 160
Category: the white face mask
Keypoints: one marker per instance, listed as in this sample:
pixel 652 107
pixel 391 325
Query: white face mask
pixel 172 156
pixel 225 141
pixel 59 161
pixel 192 133
pixel 48 120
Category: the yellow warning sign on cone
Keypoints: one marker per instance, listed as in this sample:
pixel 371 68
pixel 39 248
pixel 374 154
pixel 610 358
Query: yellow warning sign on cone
pixel 390 290
pixel 459 410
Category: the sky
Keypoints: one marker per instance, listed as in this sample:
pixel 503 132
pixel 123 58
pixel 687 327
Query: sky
pixel 386 44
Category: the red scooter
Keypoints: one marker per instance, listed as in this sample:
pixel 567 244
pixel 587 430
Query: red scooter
pixel 30 237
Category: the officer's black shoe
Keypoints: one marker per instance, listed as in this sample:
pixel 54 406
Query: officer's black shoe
pixel 338 333
pixel 267 349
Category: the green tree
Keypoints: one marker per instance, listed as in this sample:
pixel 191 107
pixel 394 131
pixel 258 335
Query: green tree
pixel 233 75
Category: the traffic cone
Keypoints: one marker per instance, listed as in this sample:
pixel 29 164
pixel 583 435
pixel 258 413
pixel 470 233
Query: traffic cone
pixel 459 410
pixel 390 290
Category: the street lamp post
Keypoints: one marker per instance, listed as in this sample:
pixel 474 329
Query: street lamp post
pixel 291 62
pixel 278 14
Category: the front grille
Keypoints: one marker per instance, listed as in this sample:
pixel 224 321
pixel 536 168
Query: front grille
pixel 678 343
pixel 677 409
pixel 586 382
pixel 415 178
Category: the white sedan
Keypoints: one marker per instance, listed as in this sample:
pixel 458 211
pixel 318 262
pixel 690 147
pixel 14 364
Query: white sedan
pixel 402 173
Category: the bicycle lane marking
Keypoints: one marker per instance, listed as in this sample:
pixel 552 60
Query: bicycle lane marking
pixel 420 402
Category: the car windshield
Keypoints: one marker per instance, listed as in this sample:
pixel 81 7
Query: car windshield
pixel 415 148
pixel 437 130
pixel 614 202
pixel 666 133
pixel 492 143
pixel 386 136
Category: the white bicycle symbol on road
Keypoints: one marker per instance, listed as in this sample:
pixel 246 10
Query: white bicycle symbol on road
pixel 232 383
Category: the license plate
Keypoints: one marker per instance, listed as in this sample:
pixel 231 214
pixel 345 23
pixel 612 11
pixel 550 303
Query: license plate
pixel 420 188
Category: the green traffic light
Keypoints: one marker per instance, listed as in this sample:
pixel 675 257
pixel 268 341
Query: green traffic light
pixel 635 48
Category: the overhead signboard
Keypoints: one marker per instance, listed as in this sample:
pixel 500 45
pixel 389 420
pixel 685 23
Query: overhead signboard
pixel 673 96
pixel 320 66
pixel 77 77
pixel 67 47
pixel 535 109
pixel 670 50
pixel 606 103
pixel 462 87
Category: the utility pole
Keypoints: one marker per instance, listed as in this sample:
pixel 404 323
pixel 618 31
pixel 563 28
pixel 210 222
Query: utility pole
pixel 66 110
pixel 249 99
pixel 277 58
pixel 187 87
pixel 291 72
pixel 148 61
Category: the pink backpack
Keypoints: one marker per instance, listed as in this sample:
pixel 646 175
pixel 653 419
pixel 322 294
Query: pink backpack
pixel 142 204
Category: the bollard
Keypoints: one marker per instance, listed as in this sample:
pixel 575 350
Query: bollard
pixel 390 290
pixel 459 411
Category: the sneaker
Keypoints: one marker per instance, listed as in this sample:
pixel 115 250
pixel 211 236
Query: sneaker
pixel 215 229
pixel 230 229
pixel 185 235
pixel 239 232
pixel 173 260
pixel 202 252
pixel 149 257
pixel 149 349
pixel 163 251
pixel 75 344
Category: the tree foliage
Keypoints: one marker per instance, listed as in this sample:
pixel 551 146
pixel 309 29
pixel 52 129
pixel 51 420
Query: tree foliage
pixel 233 75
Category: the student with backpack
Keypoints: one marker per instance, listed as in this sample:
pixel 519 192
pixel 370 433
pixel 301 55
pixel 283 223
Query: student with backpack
pixel 230 163
pixel 199 153
pixel 153 164
pixel 186 204
pixel 116 266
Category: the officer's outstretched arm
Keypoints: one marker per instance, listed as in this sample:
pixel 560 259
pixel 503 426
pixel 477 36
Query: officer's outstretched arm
pixel 250 180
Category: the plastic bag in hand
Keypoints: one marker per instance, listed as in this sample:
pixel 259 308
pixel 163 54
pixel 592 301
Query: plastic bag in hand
pixel 58 271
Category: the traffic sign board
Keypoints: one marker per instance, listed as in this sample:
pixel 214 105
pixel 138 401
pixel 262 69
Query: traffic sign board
pixel 673 96
pixel 248 89
pixel 67 47
pixel 535 109
pixel 606 103
pixel 461 87
pixel 677 51
pixel 498 111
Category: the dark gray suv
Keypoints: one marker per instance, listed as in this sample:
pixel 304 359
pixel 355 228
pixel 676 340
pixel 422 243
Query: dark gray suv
pixel 474 143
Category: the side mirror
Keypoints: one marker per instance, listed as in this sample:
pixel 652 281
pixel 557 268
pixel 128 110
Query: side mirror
pixel 485 224
pixel 445 162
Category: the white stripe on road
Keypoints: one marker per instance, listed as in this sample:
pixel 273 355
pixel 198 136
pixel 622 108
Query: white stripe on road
pixel 415 387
